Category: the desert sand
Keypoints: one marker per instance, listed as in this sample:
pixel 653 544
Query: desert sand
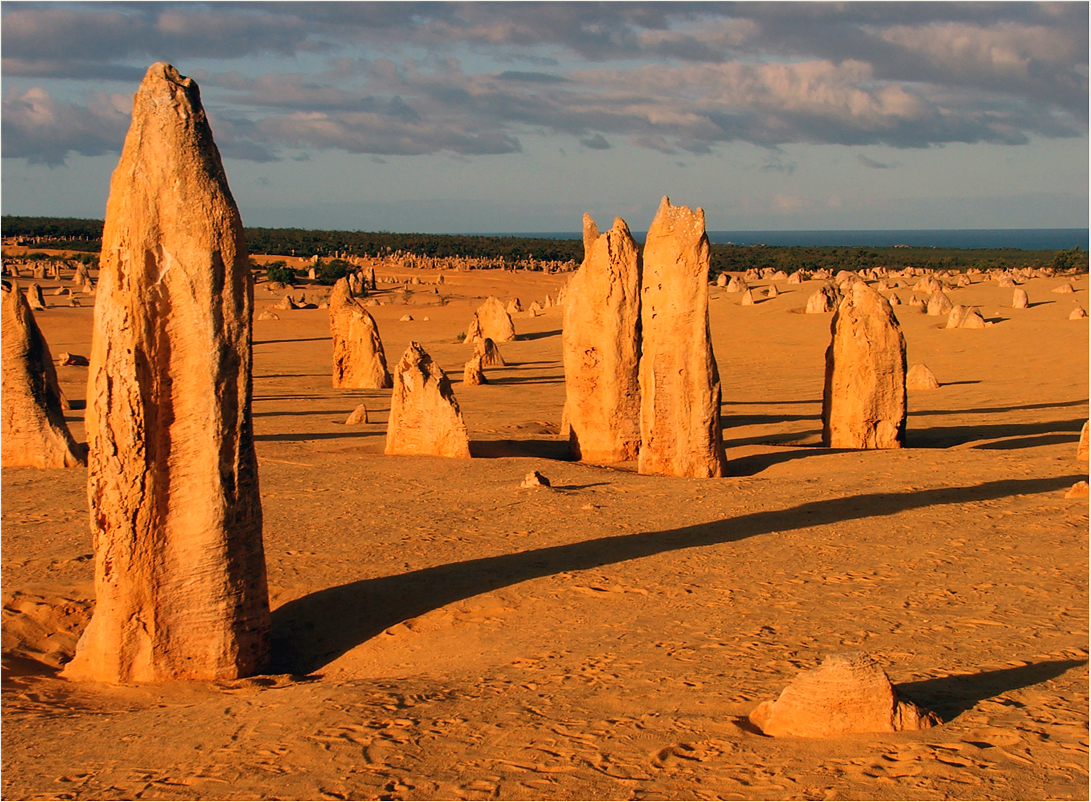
pixel 441 632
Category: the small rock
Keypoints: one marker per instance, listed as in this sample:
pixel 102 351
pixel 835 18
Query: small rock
pixel 1064 289
pixel 405 319
pixel 1078 313
pixel 920 377
pixel 1078 490
pixel 265 314
pixel 73 359
pixel 535 479
pixel 357 417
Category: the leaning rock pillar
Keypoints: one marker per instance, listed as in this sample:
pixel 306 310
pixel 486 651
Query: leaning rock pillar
pixel 176 519
pixel 679 382
pixel 601 346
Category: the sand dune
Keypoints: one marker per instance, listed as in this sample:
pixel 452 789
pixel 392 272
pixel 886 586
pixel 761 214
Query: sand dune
pixel 440 632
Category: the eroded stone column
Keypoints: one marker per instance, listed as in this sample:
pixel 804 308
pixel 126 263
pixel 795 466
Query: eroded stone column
pixel 172 476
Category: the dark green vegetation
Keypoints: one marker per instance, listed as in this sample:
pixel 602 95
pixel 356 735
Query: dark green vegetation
pixel 86 235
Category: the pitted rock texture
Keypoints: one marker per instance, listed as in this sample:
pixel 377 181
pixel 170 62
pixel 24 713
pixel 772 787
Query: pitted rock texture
pixel 493 321
pixel 679 383
pixel 172 475
pixel 864 402
pixel 424 415
pixel 848 693
pixel 358 357
pixel 601 348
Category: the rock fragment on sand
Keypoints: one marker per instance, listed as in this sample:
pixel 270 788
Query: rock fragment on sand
pixel 1019 299
pixel 1078 490
pixel 357 417
pixel 491 320
pixel 747 298
pixel 472 374
pixel 76 360
pixel 534 480
pixel 847 693
pixel 679 381
pixel 359 360
pixel 489 353
pixel 1079 313
pixel 822 300
pixel 265 314
pixel 1064 289
pixel 920 377
pixel 939 304
pixel 405 319
pixel 34 432
pixel 424 415
pixel 864 400
pixel 176 515
pixel 601 348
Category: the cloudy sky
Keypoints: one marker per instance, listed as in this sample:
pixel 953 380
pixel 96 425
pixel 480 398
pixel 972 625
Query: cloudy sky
pixel 504 117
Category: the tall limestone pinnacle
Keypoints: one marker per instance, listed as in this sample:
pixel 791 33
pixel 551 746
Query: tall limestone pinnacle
pixel 601 347
pixel 679 382
pixel 864 397
pixel 176 517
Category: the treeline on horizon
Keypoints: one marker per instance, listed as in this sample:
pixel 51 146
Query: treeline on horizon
pixel 86 235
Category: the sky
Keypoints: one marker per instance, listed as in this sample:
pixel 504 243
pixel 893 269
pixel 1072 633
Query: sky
pixel 520 117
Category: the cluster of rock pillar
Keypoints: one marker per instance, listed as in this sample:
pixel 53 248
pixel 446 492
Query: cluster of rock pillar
pixel 640 377
pixel 176 517
pixel 641 380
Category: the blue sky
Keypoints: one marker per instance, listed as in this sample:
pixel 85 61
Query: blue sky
pixel 503 117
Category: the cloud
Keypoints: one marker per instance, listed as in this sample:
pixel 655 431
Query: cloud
pixel 596 142
pixel 669 77
pixel 875 165
pixel 44 131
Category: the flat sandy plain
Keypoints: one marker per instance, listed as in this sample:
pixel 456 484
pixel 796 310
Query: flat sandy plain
pixel 440 632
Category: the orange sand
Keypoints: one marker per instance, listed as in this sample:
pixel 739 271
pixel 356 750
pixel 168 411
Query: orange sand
pixel 442 633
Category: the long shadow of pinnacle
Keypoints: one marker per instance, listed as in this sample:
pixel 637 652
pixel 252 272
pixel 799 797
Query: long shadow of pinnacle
pixel 950 696
pixel 312 631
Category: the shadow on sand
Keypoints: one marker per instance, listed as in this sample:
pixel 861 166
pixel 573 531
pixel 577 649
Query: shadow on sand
pixel 310 632
pixel 948 697
pixel 553 449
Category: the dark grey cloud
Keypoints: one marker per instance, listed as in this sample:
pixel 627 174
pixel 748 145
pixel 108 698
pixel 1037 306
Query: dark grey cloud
pixel 596 142
pixel 669 77
pixel 41 130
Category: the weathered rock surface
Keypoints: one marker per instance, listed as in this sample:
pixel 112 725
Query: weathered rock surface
pixel 172 475
pixel 920 377
pixel 489 353
pixel 822 300
pixel 1064 289
pixel 472 374
pixel 939 304
pixel 359 360
pixel 1078 490
pixel 67 359
pixel 864 402
pixel 848 693
pixel 1079 313
pixel 424 415
pixel 35 299
pixel 679 382
pixel 493 321
pixel 601 348
pixel 1019 299
pixel 34 431
pixel 1082 448
pixel 747 298
pixel 357 417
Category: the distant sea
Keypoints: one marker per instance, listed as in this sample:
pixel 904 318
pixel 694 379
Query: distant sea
pixel 1026 239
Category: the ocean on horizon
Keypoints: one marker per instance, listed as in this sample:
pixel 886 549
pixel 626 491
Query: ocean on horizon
pixel 1025 239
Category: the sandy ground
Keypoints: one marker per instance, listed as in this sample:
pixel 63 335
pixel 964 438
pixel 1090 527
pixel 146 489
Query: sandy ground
pixel 442 633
